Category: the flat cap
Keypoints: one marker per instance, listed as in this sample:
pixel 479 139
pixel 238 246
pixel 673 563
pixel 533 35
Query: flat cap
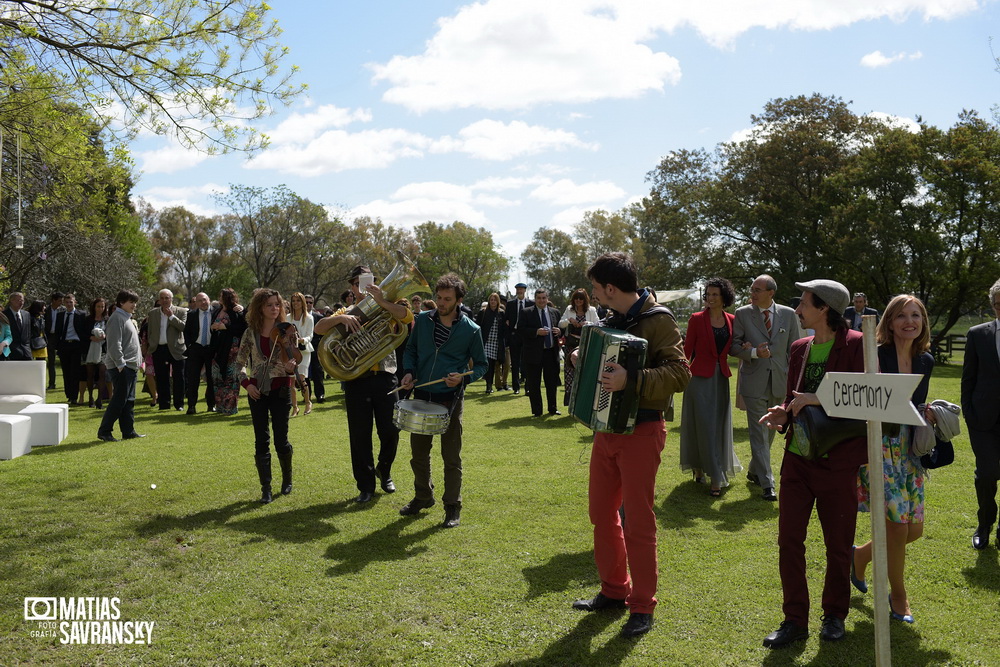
pixel 833 293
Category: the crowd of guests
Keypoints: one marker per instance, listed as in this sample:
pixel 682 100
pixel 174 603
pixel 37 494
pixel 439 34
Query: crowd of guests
pixel 270 350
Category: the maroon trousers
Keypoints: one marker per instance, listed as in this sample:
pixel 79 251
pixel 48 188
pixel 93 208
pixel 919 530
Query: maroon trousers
pixel 833 490
pixel 623 471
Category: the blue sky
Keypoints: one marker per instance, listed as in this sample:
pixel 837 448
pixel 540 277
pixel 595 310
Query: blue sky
pixel 517 114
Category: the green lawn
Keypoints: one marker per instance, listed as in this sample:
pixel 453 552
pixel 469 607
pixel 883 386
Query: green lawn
pixel 315 579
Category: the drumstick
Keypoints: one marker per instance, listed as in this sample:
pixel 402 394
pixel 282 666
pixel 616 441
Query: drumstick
pixel 417 386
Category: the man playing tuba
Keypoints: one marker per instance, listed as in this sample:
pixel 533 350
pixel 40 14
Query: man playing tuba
pixel 367 397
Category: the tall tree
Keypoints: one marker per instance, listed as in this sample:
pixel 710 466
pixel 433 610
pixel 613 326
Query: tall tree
pixel 460 248
pixel 679 244
pixel 72 197
pixel 199 70
pixel 556 262
pixel 271 227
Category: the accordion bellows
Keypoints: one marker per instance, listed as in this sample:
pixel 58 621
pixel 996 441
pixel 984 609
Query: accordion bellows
pixel 599 410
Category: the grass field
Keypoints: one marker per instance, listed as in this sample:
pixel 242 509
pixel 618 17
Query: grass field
pixel 314 579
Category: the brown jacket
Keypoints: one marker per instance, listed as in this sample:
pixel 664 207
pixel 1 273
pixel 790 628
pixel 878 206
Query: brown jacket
pixel 666 371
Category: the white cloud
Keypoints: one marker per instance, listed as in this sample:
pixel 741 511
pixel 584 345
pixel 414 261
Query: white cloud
pixel 878 59
pixel 493 140
pixel 312 144
pixel 516 54
pixel 565 192
pixel 338 150
pixel 304 127
pixel 567 219
pixel 901 122
pixel 169 159
pixel 412 212
pixel 432 190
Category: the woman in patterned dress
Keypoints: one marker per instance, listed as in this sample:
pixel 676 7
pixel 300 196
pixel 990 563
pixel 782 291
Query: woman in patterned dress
pixel 227 330
pixel 903 337
pixel 577 313
pixel 493 329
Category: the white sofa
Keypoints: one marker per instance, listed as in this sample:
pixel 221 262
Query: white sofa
pixel 25 419
pixel 22 383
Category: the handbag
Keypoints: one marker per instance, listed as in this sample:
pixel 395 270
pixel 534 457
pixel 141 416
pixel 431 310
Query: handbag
pixel 823 432
pixel 820 431
pixel 38 343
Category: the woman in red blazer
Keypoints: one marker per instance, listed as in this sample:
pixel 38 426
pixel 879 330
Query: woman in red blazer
pixel 706 415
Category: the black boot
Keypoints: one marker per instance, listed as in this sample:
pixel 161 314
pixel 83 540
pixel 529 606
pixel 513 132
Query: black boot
pixel 285 459
pixel 264 472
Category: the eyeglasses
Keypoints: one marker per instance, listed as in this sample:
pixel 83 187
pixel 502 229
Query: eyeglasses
pixel 353 283
pixel 758 290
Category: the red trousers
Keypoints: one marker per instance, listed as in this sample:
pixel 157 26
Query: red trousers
pixel 834 492
pixel 623 469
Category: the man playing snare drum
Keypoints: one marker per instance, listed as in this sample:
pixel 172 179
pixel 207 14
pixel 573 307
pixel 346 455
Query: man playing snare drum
pixel 441 345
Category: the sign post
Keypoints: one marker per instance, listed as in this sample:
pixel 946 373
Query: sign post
pixel 877 398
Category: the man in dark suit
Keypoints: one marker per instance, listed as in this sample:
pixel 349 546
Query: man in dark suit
pixel 50 314
pixel 316 371
pixel 198 339
pixel 981 405
pixel 853 314
pixel 512 314
pixel 540 336
pixel 20 328
pixel 71 339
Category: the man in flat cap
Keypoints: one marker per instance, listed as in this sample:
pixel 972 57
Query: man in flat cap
pixel 828 481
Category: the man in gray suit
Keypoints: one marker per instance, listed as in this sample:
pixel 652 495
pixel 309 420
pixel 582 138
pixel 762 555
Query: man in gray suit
pixel 763 333
pixel 981 406
pixel 166 344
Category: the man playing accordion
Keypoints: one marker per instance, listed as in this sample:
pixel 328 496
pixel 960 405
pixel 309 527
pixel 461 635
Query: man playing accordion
pixel 623 467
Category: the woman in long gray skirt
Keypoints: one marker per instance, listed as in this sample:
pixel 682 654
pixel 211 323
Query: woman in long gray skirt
pixel 706 417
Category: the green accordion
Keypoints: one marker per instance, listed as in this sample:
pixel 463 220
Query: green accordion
pixel 589 403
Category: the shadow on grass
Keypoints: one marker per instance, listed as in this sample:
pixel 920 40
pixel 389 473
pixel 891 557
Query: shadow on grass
pixel 986 572
pixel 544 422
pixel 560 572
pixel 385 544
pixel 690 501
pixel 305 524
pixel 65 449
pixel 574 648
pixel 905 647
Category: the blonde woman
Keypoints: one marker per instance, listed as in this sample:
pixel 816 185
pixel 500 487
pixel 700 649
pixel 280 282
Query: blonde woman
pixel 903 337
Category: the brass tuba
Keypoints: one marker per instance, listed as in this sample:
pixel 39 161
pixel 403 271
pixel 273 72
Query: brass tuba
pixel 346 356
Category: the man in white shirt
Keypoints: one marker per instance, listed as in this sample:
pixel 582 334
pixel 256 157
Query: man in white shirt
pixel 20 328
pixel 198 339
pixel 70 337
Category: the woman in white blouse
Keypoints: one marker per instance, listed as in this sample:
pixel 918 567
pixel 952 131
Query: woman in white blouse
pixel 578 313
pixel 303 321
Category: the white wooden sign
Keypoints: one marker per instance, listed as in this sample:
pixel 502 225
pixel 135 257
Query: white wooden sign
pixel 882 397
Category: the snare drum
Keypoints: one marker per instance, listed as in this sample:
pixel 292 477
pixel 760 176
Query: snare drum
pixel 422 417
